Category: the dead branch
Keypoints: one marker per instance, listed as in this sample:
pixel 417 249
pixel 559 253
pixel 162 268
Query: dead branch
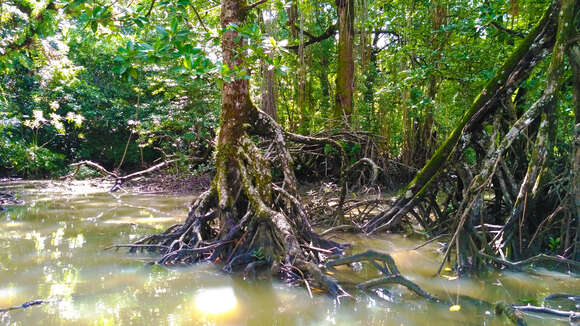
pixel 119 179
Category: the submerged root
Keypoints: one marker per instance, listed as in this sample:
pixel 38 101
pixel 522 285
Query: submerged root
pixel 387 267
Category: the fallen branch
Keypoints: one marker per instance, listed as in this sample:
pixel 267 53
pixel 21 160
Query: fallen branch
pixel 24 305
pixel 119 180
pixel 431 240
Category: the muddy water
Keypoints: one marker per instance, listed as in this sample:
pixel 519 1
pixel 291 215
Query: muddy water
pixel 52 248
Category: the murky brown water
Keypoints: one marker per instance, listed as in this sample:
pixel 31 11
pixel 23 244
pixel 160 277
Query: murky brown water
pixel 52 248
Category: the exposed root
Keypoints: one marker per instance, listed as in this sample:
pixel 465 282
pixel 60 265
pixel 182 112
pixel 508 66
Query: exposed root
pixel 516 313
pixel 516 316
pixel 571 265
pixel 248 223
pixel 25 305
pixel 388 269
pixel 323 144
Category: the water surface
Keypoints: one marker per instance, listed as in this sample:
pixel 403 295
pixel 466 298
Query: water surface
pixel 52 248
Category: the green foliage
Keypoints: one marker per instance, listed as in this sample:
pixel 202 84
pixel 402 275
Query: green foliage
pixel 470 156
pixel 29 161
pixel 554 243
pixel 257 254
pixel 86 172
pixel 148 73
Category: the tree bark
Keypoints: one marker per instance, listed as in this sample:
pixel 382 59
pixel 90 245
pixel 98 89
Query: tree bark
pixel 574 59
pixel 268 81
pixel 531 182
pixel 345 63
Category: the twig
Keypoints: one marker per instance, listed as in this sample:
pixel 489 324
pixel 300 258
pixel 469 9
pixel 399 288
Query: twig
pixel 200 20
pixel 431 240
pixel 541 257
pixel 255 4
pixel 338 228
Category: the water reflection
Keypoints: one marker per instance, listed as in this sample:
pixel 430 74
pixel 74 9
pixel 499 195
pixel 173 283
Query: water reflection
pixel 52 249
pixel 215 301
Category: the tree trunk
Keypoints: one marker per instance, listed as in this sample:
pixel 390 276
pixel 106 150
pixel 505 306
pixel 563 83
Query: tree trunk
pixel 268 81
pixel 574 59
pixel 324 83
pixel 516 69
pixel 427 140
pixel 345 63
pixel 260 226
pixel 530 184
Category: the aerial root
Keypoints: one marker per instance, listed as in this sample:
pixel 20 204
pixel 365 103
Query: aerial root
pixel 519 265
pixel 329 283
pixel 516 313
pixel 388 269
pixel 345 171
pixel 185 240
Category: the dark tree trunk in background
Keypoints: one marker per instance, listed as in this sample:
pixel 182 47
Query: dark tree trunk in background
pixel 574 59
pixel 269 95
pixel 345 68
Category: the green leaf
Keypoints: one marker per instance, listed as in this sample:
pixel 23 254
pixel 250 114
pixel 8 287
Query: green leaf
pixel 146 47
pixel 120 69
pixel 174 24
pixel 133 73
pixel 94 26
pixel 182 34
pixel 161 30
pixel 139 22
pixel 187 63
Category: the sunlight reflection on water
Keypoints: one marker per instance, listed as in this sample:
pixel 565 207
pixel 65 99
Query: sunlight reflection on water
pixel 216 301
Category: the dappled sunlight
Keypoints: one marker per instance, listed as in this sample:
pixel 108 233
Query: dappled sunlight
pixel 8 295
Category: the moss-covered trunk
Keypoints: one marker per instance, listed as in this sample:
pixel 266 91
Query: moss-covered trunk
pixel 574 59
pixel 513 239
pixel 516 69
pixel 244 220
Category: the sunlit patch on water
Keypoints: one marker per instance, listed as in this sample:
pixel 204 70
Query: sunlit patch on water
pixel 139 220
pixel 7 296
pixel 12 225
pixel 216 301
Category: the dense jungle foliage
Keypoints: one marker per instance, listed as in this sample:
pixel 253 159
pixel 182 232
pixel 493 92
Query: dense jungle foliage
pixel 83 79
